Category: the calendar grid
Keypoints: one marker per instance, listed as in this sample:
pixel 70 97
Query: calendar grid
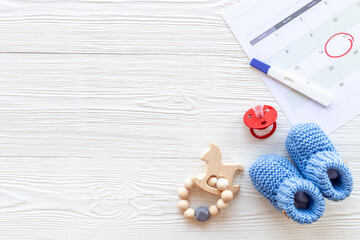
pixel 314 40
pixel 290 95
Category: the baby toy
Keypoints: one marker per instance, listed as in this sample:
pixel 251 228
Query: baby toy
pixel 216 180
pixel 260 118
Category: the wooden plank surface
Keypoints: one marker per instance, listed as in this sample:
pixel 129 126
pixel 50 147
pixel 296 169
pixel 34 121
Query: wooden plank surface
pixel 105 108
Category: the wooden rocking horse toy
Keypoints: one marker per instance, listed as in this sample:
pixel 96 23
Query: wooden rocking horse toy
pixel 217 180
pixel 215 168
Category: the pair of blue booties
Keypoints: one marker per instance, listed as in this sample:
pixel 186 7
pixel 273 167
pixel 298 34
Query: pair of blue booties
pixel 299 192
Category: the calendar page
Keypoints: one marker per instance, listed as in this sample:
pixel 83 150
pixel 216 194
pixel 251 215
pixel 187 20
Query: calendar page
pixel 316 40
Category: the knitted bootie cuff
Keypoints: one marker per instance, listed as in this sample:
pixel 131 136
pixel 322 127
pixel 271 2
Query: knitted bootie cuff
pixel 317 171
pixel 286 200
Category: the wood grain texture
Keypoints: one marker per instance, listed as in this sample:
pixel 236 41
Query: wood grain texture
pixel 103 99
pixel 216 169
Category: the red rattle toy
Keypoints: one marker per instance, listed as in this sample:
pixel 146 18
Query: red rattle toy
pixel 261 117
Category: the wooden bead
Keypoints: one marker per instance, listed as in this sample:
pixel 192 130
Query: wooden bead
pixel 221 204
pixel 222 184
pixel 213 210
pixel 212 181
pixel 183 193
pixel 189 184
pixel 183 204
pixel 189 213
pixel 227 195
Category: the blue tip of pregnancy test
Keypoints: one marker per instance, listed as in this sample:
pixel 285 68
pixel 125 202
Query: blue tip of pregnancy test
pixel 260 65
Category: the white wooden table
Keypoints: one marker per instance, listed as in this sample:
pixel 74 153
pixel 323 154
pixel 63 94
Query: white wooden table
pixel 105 108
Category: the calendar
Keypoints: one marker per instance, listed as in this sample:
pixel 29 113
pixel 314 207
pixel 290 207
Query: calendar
pixel 317 40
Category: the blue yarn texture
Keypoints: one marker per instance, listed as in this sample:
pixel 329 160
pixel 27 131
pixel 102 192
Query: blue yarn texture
pixel 314 154
pixel 278 181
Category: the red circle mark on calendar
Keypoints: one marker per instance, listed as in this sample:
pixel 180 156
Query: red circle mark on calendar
pixel 350 38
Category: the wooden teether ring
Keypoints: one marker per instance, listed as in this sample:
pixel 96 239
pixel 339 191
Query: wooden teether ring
pixel 217 180
pixel 202 213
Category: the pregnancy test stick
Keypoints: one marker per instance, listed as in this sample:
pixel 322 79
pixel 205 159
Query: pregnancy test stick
pixel 318 95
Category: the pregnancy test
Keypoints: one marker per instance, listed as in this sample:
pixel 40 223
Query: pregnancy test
pixel 298 84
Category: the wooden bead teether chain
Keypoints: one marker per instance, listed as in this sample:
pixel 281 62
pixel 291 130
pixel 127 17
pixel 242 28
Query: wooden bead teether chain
pixel 217 180
pixel 202 213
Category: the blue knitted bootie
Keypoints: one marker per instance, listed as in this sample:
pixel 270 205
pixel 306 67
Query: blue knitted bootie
pixel 317 159
pixel 282 184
